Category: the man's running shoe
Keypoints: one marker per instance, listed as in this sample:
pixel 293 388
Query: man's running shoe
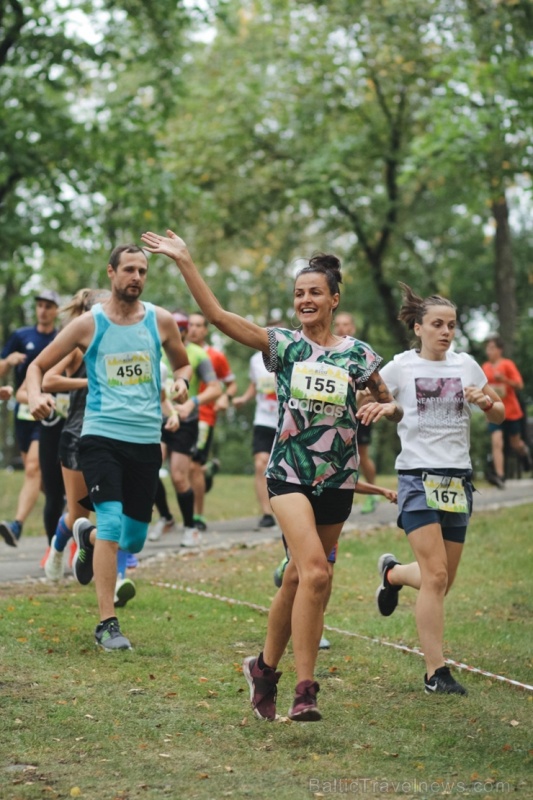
pixel 263 685
pixel 304 707
pixel 108 635
pixel 324 644
pixel 386 594
pixel 82 566
pixel 443 682
pixel 160 527
pixel 279 572
pixel 369 506
pixel 191 538
pixel 124 591
pixel 200 522
pixel 54 566
pixel 10 532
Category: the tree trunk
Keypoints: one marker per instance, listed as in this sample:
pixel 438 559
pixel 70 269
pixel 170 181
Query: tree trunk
pixel 504 274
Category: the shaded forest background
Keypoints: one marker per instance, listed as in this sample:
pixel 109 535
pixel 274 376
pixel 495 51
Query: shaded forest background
pixel 397 134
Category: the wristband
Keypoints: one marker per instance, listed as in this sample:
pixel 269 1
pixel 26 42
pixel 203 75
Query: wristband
pixel 488 408
pixel 180 378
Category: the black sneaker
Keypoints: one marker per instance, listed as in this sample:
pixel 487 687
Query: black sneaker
pixel 82 566
pixel 10 532
pixel 443 682
pixel 200 523
pixel 267 521
pixel 386 595
pixel 109 637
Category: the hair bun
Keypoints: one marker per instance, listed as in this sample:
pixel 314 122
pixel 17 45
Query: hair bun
pixel 327 261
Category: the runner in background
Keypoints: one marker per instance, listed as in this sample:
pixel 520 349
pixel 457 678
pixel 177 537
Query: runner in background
pixel 262 386
pixel 22 347
pixel 503 376
pixel 344 325
pixel 203 471
pixel 180 443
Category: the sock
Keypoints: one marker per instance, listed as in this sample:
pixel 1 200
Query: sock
pixel 104 621
pixel 62 534
pixel 186 504
pixel 261 663
pixel 122 563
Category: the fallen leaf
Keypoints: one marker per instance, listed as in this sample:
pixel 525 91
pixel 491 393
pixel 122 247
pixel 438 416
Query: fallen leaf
pixel 514 723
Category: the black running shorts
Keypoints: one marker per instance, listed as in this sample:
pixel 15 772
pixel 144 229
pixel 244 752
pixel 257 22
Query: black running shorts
pixel 123 471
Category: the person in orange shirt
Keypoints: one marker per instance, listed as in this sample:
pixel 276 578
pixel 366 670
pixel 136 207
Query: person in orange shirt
pixel 503 376
pixel 202 471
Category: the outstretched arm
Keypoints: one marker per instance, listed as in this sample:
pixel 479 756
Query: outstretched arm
pixel 238 328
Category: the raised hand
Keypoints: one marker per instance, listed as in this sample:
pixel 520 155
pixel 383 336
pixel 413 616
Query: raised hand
pixel 170 245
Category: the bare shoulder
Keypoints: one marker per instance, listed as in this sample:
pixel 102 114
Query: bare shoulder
pixel 79 331
pixel 165 321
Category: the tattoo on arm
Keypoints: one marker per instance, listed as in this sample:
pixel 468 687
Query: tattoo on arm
pixel 379 390
pixel 381 394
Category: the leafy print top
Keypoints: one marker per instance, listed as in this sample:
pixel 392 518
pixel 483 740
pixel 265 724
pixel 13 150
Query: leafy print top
pixel 315 442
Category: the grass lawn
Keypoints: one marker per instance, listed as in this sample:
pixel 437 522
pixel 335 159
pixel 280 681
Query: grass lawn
pixel 172 717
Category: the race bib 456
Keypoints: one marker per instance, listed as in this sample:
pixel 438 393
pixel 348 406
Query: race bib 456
pixel 128 369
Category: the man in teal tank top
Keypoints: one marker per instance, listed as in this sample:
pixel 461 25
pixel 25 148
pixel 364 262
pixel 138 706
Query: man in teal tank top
pixel 120 444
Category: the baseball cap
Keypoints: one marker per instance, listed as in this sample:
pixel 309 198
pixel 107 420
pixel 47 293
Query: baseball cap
pixel 50 295
pixel 182 320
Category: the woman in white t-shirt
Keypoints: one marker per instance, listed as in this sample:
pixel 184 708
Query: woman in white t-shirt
pixel 435 387
pixel 312 470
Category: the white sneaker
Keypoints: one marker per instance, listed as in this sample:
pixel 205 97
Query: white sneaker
pixel 54 566
pixel 191 538
pixel 124 591
pixel 161 526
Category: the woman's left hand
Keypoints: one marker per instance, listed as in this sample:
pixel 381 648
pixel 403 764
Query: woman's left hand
pixel 371 412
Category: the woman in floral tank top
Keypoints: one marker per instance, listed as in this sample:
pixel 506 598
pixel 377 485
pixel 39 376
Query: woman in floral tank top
pixel 312 470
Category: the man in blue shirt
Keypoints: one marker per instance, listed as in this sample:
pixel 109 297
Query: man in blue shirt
pixel 22 347
pixel 120 451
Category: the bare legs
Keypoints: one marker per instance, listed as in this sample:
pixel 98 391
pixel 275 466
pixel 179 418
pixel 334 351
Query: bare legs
pixel 105 574
pixel 298 607
pixel 433 574
pixel 75 490
pixel 32 482
pixel 261 491
pixel 497 443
